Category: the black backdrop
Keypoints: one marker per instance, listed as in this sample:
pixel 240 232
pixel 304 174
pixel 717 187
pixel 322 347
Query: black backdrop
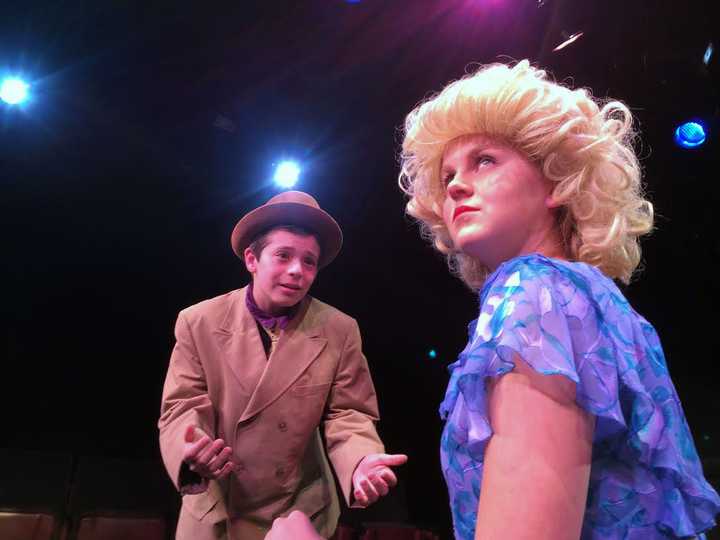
pixel 153 128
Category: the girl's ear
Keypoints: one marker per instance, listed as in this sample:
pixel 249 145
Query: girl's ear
pixel 550 202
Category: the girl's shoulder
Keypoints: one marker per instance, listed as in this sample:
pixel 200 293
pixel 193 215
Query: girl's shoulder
pixel 538 279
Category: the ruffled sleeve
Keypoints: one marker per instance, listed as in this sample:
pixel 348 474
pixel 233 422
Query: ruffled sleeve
pixel 531 310
pixel 562 321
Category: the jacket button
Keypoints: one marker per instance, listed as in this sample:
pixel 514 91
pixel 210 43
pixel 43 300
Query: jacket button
pixel 282 426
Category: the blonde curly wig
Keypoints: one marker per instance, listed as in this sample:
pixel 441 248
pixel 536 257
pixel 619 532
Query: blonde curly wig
pixel 583 145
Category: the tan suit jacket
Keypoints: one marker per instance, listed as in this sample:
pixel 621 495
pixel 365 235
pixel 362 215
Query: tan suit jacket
pixel 269 411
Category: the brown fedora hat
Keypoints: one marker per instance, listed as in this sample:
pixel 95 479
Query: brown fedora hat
pixel 290 208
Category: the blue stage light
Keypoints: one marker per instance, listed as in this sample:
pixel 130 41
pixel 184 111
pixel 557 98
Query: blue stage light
pixel 690 135
pixel 13 91
pixel 287 174
pixel 708 54
pixel 432 354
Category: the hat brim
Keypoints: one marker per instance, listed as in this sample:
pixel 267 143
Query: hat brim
pixel 289 213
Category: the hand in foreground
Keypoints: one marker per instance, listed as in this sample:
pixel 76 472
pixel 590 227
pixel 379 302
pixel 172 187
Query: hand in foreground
pixel 210 459
pixel 296 526
pixel 373 477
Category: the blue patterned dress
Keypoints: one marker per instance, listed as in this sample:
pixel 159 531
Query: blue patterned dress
pixel 567 318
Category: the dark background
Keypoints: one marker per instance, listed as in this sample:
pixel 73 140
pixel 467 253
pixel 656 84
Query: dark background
pixel 153 126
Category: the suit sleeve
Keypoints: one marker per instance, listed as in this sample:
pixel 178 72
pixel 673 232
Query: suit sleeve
pixel 185 402
pixel 351 414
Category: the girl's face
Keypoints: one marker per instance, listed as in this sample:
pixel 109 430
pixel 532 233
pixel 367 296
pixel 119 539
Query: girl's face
pixel 497 203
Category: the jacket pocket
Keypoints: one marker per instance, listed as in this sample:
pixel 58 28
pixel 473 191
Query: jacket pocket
pixel 309 389
pixel 200 505
pixel 313 499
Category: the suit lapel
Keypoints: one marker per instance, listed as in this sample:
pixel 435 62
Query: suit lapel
pixel 240 341
pixel 298 347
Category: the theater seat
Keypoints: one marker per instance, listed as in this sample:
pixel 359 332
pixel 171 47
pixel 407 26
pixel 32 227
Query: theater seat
pixel 117 499
pixel 343 532
pixel 27 526
pixel 121 528
pixel 395 531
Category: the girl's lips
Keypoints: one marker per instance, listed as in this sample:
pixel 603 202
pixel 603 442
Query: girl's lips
pixel 463 209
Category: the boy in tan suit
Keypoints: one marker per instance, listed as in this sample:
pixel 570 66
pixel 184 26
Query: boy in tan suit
pixel 254 375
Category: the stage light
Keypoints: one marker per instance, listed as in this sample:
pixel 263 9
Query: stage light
pixel 13 91
pixel 690 135
pixel 708 54
pixel 568 41
pixel 432 354
pixel 287 174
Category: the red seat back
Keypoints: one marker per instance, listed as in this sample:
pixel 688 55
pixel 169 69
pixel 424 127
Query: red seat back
pixel 121 528
pixel 343 532
pixel 396 532
pixel 26 526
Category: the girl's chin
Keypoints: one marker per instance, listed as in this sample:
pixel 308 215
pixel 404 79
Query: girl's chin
pixel 471 247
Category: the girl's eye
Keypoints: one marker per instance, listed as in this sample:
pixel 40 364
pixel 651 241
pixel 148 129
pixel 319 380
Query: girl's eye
pixel 282 255
pixel 310 262
pixel 447 179
pixel 484 160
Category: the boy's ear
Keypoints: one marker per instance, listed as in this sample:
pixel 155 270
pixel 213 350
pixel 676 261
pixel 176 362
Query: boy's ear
pixel 250 260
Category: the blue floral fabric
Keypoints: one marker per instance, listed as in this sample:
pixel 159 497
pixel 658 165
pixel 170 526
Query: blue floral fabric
pixel 567 318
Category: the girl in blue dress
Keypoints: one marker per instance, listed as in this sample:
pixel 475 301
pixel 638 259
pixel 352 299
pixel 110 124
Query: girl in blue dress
pixel 562 421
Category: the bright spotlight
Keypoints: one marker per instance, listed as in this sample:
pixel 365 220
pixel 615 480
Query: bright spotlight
pixel 568 41
pixel 708 54
pixel 287 174
pixel 13 91
pixel 690 135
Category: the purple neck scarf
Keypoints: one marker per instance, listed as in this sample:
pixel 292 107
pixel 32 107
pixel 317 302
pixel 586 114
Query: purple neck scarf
pixel 264 318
